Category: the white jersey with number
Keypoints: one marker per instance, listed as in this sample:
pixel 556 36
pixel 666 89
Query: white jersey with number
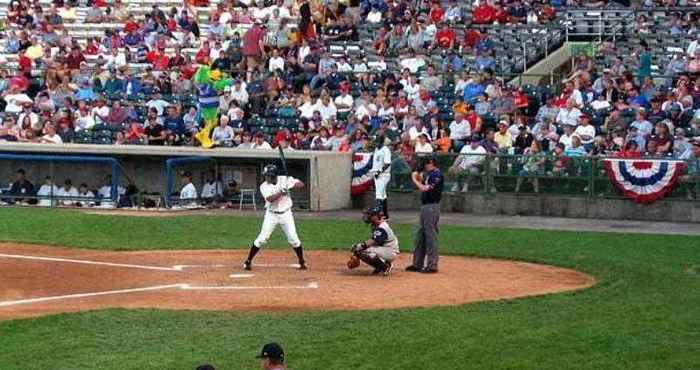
pixel 283 203
pixel 188 192
pixel 381 157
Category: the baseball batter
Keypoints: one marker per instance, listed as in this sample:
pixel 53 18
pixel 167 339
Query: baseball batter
pixel 381 170
pixel 381 249
pixel 278 211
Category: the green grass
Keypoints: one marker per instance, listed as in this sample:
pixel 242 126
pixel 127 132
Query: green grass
pixel 644 313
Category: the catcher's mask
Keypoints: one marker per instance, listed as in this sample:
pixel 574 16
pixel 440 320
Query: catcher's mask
pixel 371 211
pixel 270 173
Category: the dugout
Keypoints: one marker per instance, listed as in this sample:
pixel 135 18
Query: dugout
pixel 327 174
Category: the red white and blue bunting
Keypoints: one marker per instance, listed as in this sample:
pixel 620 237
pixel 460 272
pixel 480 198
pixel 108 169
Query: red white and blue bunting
pixel 644 181
pixel 361 178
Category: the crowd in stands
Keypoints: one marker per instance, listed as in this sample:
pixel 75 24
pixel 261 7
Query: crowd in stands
pixel 293 86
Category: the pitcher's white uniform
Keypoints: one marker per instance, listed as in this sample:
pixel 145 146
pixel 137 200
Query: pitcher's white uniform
pixel 381 157
pixel 278 212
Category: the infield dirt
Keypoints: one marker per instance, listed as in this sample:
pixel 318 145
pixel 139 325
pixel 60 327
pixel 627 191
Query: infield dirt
pixel 41 280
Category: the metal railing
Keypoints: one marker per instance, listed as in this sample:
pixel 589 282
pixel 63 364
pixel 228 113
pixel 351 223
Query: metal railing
pixel 535 175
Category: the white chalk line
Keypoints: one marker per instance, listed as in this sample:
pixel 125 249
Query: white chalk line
pixel 86 295
pixel 241 276
pixel 311 285
pixel 295 265
pixel 111 264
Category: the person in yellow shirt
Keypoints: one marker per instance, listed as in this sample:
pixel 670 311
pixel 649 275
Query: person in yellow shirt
pixel 503 138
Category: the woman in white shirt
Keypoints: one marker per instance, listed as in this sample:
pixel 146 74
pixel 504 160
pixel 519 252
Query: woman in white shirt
pixel 223 134
pixel 307 109
pixel 51 137
pixel 276 62
pixel 410 87
pixel 422 145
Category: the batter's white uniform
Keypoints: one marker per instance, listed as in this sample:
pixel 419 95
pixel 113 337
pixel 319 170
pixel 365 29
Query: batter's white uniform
pixel 278 212
pixel 381 157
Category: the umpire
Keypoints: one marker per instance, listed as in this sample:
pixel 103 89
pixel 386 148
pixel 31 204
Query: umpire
pixel 425 254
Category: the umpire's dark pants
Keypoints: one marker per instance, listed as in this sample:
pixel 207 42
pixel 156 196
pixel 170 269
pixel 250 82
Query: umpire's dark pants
pixel 425 254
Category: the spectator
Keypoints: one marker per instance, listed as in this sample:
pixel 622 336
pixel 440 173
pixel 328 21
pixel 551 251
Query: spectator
pixel 503 137
pixel 469 162
pixel 272 357
pixel 154 132
pixel 260 142
pixel 585 131
pixel 223 134
pixel 51 137
pixel 460 130
pixel 533 166
pixel 423 145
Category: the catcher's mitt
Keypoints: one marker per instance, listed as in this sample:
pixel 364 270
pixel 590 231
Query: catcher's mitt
pixel 353 262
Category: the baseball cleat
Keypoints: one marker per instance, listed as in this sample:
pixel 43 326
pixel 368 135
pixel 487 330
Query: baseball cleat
pixel 387 269
pixel 247 266
pixel 302 266
pixel 429 270
pixel 412 268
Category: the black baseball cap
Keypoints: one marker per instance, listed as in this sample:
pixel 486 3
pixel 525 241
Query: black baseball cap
pixel 272 351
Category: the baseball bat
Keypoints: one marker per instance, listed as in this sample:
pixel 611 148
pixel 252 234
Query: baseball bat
pixel 284 166
pixel 284 161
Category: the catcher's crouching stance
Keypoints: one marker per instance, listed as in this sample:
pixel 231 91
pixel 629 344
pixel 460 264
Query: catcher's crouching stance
pixel 380 250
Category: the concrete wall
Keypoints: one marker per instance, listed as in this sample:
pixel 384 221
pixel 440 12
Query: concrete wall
pixel 328 174
pixel 549 205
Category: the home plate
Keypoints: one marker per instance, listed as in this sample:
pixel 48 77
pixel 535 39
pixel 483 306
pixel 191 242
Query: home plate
pixel 241 276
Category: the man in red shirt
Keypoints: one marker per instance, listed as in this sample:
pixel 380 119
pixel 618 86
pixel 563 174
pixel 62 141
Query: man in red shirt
pixel 74 59
pixel 471 38
pixel 445 38
pixel 131 25
pixel 202 56
pixel 484 13
pixel 253 48
pixel 437 14
pixel 161 61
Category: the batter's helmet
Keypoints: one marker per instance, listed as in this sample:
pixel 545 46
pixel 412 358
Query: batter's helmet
pixel 372 211
pixel 270 170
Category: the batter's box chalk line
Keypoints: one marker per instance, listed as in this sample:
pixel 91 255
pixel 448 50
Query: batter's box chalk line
pixel 110 264
pixel 311 285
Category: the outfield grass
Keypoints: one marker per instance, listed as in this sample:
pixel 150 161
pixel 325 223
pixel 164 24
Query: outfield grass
pixel 644 313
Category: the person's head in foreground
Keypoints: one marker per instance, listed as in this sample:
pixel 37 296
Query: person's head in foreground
pixel 271 357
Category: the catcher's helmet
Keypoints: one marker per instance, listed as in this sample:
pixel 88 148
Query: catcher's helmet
pixel 371 211
pixel 270 170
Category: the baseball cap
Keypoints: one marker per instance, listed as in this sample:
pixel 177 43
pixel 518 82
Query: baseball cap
pixel 272 351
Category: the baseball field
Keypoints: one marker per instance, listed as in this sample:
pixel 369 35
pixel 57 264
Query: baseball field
pixel 641 313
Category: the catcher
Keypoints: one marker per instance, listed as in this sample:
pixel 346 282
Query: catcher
pixel 380 250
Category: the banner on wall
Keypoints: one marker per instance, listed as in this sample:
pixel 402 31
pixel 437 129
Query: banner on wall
pixel 644 181
pixel 361 178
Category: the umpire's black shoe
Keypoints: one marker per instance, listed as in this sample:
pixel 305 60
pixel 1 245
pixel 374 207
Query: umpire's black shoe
pixel 247 265
pixel 429 270
pixel 413 269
